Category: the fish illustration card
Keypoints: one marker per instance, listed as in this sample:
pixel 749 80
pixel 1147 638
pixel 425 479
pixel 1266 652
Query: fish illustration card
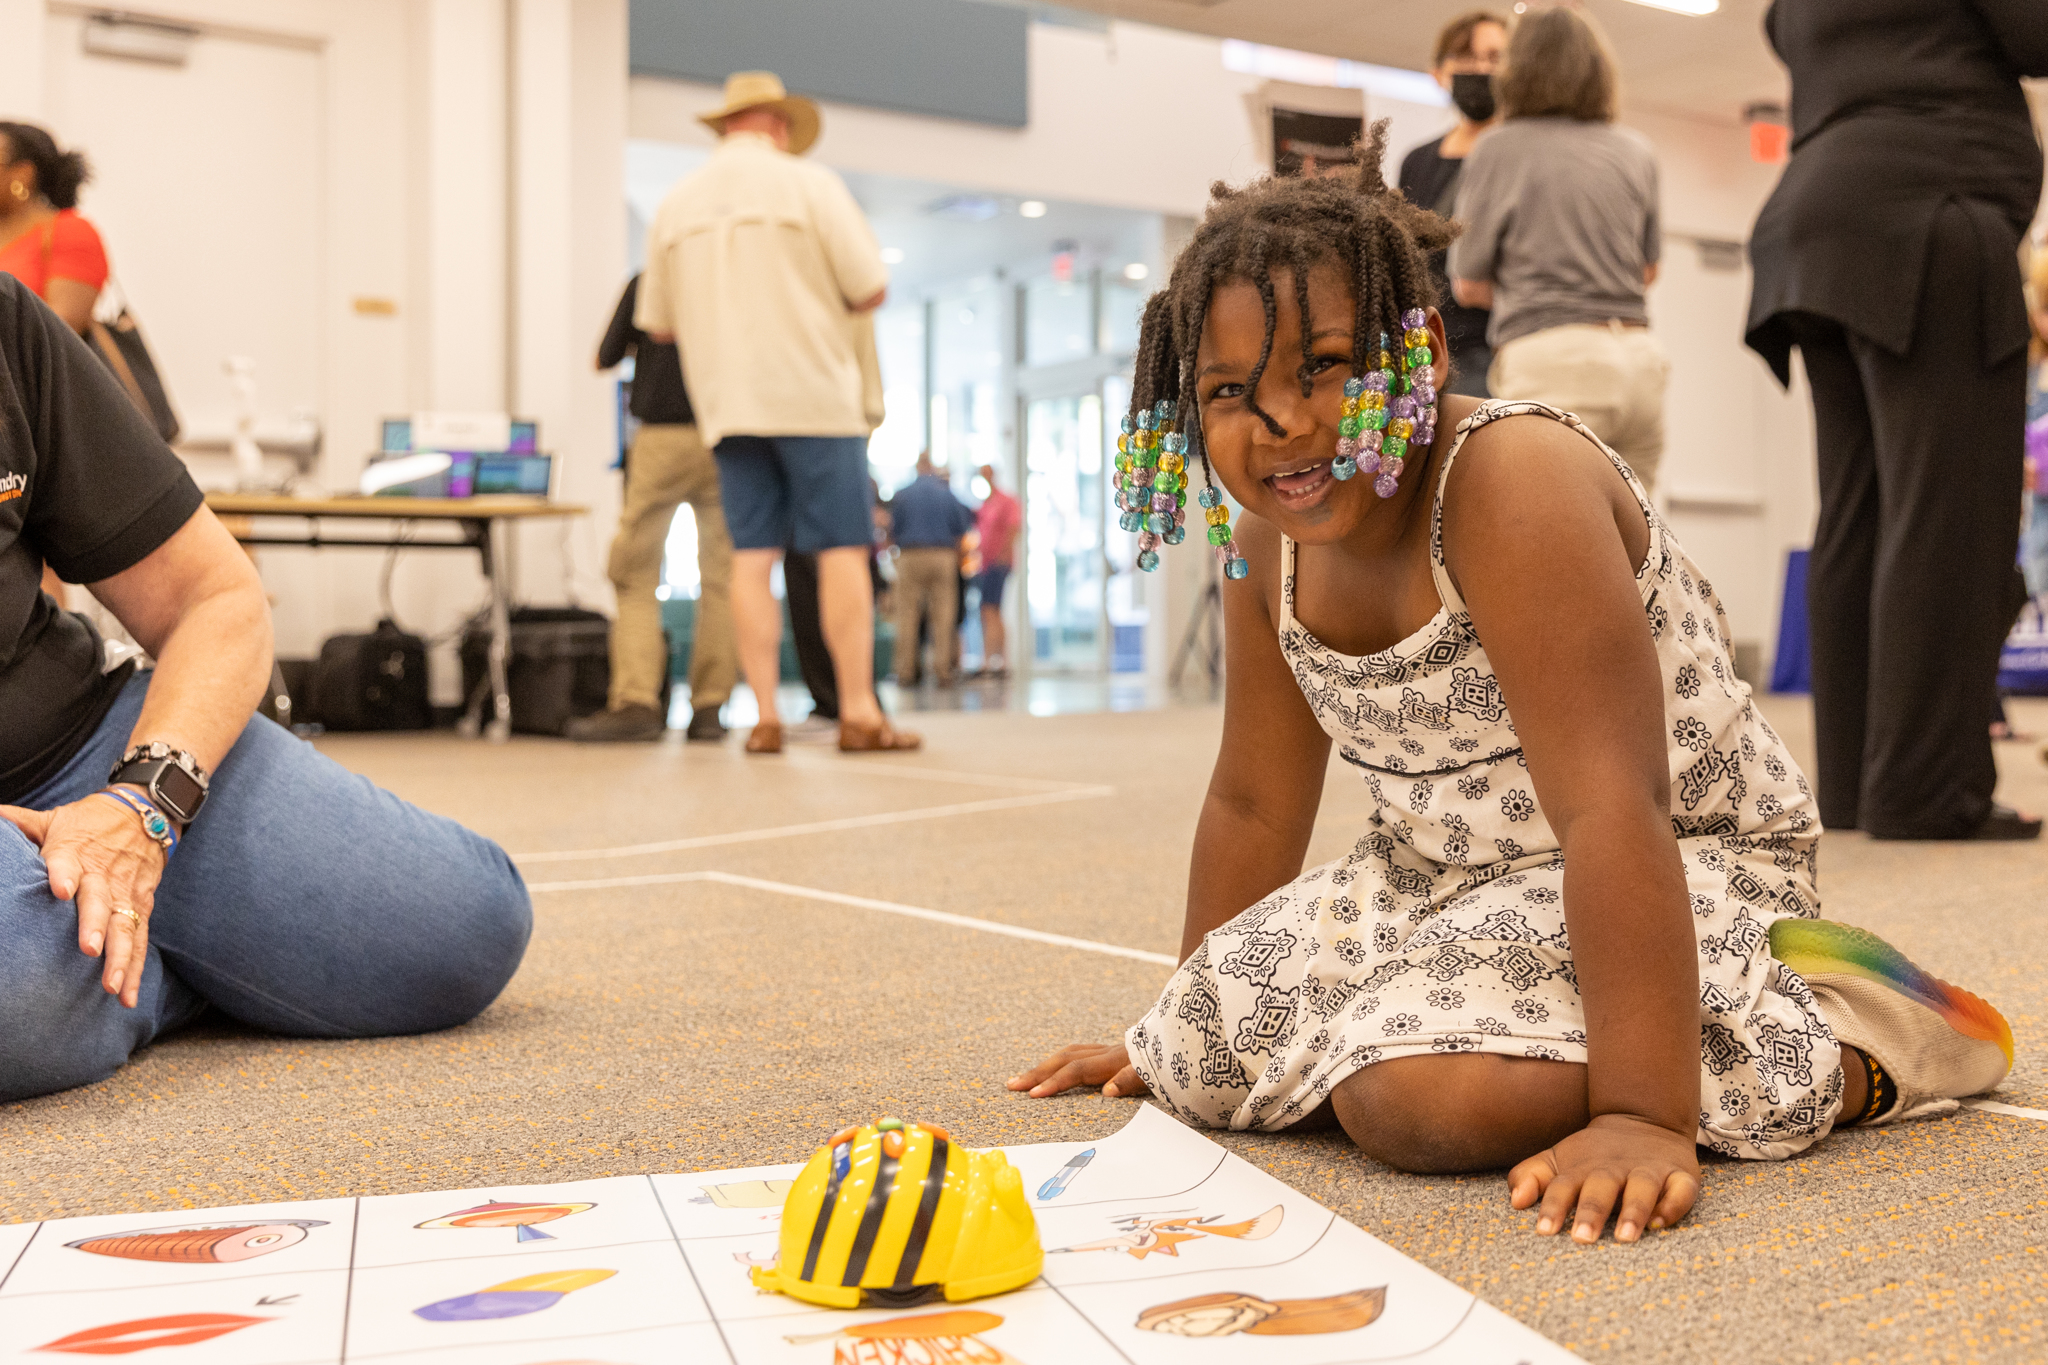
pixel 262 1320
pixel 137 1250
pixel 1240 1218
pixel 1152 1157
pixel 1349 1298
pixel 686 1344
pixel 1488 1336
pixel 509 1220
pixel 14 1239
pixel 722 1268
pixel 726 1203
pixel 1029 1327
pixel 558 1295
pixel 1160 1246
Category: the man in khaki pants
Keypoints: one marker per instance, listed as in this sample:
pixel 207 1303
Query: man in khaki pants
pixel 669 465
pixel 927 523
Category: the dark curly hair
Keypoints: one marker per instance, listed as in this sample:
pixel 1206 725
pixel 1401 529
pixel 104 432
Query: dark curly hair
pixel 1353 220
pixel 58 173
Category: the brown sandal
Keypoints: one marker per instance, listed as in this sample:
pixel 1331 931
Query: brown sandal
pixel 766 738
pixel 877 739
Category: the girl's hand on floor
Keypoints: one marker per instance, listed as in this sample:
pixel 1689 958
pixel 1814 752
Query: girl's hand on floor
pixel 98 857
pixel 1629 1167
pixel 1105 1064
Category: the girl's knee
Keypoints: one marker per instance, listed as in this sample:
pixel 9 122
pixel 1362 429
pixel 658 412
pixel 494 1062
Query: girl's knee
pixel 1462 1112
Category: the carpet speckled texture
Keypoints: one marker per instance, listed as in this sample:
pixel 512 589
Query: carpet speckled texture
pixel 688 1025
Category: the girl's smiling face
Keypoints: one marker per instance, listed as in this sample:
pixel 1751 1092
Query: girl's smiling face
pixel 1285 476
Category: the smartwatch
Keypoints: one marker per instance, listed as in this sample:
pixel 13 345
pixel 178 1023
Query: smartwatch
pixel 173 778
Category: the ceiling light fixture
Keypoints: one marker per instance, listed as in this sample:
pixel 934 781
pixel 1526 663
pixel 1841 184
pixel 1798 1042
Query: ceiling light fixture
pixel 1032 208
pixel 1136 270
pixel 892 255
pixel 1696 8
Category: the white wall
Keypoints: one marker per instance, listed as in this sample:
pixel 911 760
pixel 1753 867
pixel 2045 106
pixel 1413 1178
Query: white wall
pixel 469 158
pixel 472 173
pixel 1147 118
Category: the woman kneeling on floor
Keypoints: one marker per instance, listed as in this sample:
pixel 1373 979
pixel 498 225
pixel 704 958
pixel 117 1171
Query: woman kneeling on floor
pixel 161 851
pixel 1580 934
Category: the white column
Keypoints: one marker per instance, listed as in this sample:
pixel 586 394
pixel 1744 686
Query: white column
pixel 461 249
pixel 543 247
pixel 567 120
pixel 21 38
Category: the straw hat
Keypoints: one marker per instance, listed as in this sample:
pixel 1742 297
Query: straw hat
pixel 763 90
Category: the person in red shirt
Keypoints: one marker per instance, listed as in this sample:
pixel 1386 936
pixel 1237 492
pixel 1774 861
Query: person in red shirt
pixel 996 524
pixel 43 241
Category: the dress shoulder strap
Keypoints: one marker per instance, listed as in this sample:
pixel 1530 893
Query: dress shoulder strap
pixel 1492 410
pixel 1286 581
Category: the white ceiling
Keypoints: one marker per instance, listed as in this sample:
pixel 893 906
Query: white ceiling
pixel 1705 67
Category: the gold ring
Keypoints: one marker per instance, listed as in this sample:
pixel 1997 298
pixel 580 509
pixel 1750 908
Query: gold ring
pixel 133 918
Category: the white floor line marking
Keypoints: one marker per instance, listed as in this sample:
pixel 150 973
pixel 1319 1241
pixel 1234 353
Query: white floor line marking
pixel 888 769
pixel 749 836
pixel 986 926
pixel 2009 1110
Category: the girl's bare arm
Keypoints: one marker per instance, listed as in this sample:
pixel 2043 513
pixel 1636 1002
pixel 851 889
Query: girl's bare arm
pixel 1543 538
pixel 1260 809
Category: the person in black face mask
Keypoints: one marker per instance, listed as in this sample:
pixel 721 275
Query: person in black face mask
pixel 1467 51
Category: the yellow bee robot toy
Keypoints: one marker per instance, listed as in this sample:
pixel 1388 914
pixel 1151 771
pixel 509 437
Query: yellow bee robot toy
pixel 894 1214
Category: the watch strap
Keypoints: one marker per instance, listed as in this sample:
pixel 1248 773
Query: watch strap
pixel 147 765
pixel 156 749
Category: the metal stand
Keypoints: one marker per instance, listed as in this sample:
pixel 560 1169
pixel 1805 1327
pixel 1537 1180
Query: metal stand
pixel 1207 621
pixel 490 542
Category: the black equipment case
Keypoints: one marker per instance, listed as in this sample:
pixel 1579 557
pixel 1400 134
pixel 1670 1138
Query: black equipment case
pixel 560 667
pixel 372 682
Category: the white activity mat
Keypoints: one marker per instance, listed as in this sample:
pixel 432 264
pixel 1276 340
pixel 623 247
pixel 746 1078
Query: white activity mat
pixel 1161 1246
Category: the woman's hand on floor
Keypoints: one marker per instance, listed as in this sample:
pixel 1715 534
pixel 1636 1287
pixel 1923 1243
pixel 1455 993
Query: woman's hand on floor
pixel 1105 1064
pixel 1645 1175
pixel 98 856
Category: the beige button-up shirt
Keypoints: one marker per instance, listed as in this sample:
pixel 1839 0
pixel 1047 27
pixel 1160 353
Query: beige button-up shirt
pixel 754 263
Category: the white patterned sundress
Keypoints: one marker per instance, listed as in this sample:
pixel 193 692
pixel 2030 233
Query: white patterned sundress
pixel 1443 929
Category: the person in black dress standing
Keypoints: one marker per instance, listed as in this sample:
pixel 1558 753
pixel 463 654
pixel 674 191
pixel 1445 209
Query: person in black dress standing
pixel 1467 51
pixel 1888 256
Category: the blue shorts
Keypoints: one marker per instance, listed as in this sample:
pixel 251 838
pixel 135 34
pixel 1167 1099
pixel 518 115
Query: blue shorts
pixel 802 493
pixel 992 579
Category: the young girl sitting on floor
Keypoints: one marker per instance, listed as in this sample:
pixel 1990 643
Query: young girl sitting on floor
pixel 1580 932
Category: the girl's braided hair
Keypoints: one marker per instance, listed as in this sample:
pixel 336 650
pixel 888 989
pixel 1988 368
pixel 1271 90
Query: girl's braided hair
pixel 1356 222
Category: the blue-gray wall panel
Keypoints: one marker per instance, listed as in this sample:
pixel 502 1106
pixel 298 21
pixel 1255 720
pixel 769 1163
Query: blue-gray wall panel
pixel 953 58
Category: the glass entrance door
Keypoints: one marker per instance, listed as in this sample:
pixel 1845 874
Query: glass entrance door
pixel 1064 508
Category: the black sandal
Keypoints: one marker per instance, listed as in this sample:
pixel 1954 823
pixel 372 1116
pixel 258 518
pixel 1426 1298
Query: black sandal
pixel 2005 823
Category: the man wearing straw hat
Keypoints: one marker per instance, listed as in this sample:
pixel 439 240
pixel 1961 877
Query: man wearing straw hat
pixel 762 268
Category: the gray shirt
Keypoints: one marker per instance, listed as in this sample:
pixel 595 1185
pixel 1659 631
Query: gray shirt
pixel 1561 216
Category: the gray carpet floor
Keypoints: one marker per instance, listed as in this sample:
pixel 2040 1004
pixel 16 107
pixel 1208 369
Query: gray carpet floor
pixel 683 1024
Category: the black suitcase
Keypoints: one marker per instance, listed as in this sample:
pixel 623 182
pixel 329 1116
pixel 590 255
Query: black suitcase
pixel 372 682
pixel 560 667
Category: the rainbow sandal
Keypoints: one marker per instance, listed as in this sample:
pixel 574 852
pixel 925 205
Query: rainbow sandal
pixel 1937 1042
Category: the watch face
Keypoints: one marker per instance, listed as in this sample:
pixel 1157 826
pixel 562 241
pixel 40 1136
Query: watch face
pixel 176 787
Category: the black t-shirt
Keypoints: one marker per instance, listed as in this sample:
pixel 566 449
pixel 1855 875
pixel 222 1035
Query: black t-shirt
pixel 1430 180
pixel 658 393
pixel 86 486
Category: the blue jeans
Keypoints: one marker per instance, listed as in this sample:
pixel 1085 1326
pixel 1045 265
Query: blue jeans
pixel 303 901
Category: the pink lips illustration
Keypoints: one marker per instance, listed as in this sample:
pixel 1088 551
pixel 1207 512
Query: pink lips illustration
pixel 143 1334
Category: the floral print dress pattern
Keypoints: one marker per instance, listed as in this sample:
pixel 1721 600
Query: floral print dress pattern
pixel 1443 929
